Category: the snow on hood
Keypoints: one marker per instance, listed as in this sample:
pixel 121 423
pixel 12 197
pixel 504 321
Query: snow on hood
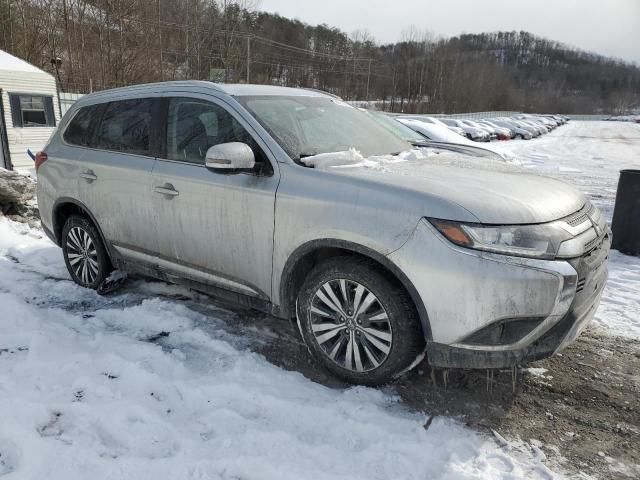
pixel 411 158
pixel 353 158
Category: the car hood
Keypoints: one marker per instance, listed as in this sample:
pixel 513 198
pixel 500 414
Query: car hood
pixel 494 192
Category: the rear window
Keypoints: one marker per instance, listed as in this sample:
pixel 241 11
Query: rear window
pixel 79 131
pixel 126 126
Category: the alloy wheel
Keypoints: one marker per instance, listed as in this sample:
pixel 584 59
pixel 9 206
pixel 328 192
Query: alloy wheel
pixel 350 325
pixel 82 255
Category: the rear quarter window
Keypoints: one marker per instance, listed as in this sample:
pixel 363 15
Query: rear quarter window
pixel 80 131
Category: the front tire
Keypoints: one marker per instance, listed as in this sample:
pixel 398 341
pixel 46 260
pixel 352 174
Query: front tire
pixel 360 324
pixel 84 253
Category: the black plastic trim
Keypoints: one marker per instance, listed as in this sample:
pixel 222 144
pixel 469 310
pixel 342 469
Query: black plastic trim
pixel 49 234
pixel 233 298
pixel 287 301
pixel 57 229
pixel 258 293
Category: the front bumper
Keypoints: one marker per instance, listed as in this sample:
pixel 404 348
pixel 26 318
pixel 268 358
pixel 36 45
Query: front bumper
pixel 553 341
pixel 467 293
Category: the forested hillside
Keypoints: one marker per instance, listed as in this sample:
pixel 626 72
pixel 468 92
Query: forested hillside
pixel 106 43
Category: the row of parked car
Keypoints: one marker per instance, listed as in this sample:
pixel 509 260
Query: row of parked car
pixel 523 126
pixel 624 118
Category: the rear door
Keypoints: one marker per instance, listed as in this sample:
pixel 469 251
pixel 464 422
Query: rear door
pixel 216 228
pixel 115 172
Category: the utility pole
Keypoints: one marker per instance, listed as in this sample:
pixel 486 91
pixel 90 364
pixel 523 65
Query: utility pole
pixel 368 77
pixel 248 59
pixel 198 41
pixel 160 39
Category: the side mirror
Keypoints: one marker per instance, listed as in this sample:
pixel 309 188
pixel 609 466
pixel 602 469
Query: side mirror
pixel 230 156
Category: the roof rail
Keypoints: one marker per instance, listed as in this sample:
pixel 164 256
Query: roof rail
pixel 174 83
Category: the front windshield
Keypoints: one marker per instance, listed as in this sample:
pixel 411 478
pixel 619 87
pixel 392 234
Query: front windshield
pixel 306 126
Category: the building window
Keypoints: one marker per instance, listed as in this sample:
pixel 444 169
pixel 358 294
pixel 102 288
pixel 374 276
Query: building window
pixel 32 110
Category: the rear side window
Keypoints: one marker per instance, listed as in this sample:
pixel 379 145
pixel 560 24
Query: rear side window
pixel 80 131
pixel 126 126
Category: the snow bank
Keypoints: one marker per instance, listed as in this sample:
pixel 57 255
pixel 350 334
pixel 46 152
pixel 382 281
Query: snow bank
pixel 148 387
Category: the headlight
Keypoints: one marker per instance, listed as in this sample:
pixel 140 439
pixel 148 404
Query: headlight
pixel 534 241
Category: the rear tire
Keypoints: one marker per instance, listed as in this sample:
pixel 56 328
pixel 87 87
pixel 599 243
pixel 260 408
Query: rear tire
pixel 84 252
pixel 356 321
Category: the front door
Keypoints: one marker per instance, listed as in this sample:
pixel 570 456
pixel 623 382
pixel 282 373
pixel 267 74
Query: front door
pixel 214 227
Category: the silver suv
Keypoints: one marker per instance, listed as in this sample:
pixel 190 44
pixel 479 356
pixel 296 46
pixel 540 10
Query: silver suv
pixel 208 185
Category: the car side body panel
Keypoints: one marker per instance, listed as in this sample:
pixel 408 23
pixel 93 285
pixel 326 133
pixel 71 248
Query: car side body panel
pixel 310 206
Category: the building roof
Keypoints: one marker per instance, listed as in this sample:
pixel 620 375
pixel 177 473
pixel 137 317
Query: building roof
pixel 14 64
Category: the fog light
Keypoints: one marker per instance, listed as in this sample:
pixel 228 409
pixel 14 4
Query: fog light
pixel 503 332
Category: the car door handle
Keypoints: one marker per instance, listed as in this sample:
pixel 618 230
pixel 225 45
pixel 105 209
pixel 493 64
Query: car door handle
pixel 89 176
pixel 167 189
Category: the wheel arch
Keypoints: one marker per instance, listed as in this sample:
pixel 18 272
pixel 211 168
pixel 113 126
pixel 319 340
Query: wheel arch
pixel 305 257
pixel 63 208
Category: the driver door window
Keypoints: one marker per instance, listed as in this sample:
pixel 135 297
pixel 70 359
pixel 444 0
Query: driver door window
pixel 215 226
pixel 193 126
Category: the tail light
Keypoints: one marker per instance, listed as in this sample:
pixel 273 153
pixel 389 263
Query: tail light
pixel 41 157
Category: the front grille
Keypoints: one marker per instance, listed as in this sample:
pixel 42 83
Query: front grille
pixel 580 216
pixel 580 285
pixel 580 219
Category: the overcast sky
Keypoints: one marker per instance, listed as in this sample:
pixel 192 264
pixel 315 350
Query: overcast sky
pixel 608 27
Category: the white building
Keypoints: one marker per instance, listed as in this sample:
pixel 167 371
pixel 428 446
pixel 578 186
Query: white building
pixel 29 111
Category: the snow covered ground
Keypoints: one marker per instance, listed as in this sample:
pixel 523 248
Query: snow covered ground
pixel 91 387
pixel 151 383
